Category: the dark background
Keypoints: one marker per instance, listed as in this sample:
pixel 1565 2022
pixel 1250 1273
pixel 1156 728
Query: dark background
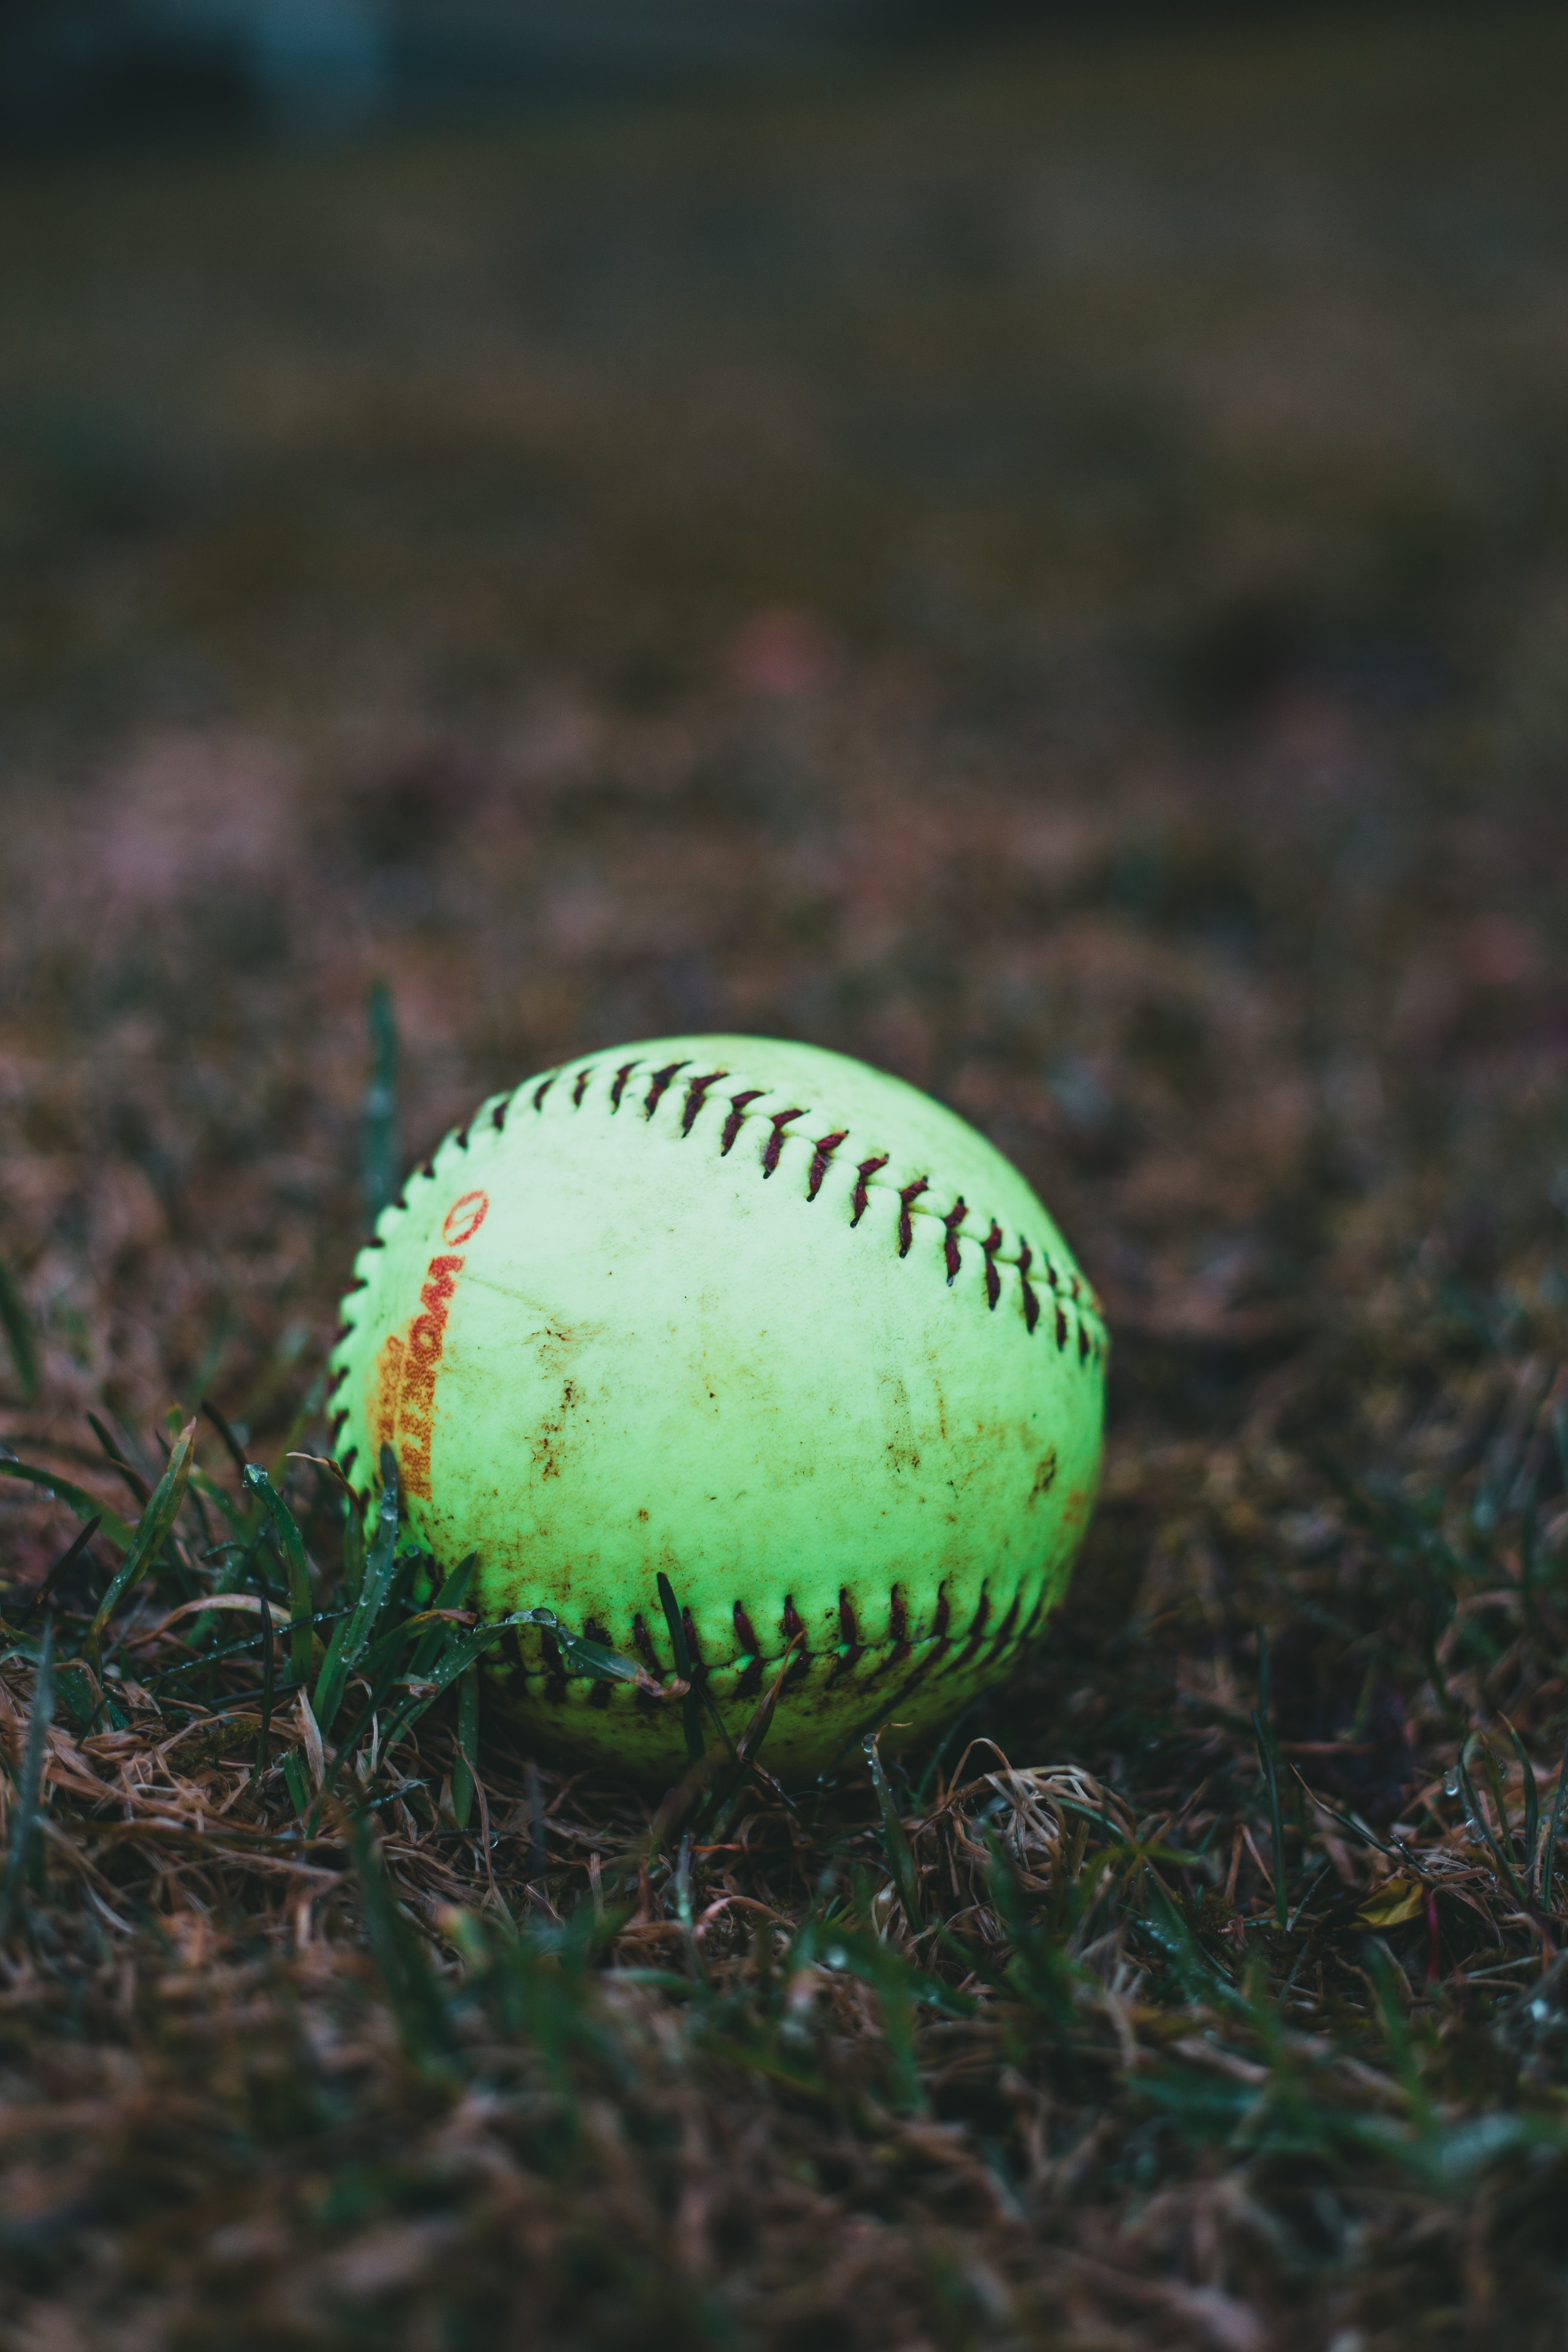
pixel 86 71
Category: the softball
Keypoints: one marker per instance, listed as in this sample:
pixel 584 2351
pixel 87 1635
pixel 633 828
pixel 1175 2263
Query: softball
pixel 762 1318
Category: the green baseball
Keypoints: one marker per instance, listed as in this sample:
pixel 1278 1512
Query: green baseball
pixel 760 1317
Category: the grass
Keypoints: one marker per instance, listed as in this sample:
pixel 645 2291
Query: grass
pixel 1051 581
pixel 1023 2032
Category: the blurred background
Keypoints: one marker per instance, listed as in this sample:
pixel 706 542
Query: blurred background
pixel 135 68
pixel 1028 546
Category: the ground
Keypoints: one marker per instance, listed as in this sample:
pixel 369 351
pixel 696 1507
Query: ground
pixel 1046 571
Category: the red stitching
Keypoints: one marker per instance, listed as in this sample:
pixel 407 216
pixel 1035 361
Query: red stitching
pixel 910 1194
pixel 781 1120
pixel 975 1631
pixel 827 1145
pixel 951 1223
pixel 998 1641
pixel 867 1168
pixel 658 1083
pixel 995 1637
pixel 1089 1343
pixel 750 1680
pixel 1031 1623
pixel 695 1096
pixel 1031 1304
pixel 699 1669
pixel 732 1124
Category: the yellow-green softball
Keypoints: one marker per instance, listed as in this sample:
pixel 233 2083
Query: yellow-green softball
pixel 762 1318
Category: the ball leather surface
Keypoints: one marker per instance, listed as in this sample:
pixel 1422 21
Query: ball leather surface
pixel 762 1317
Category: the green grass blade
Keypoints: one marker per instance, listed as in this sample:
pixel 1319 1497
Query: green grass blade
pixel 1478 1821
pixel 292 1546
pixel 902 1865
pixel 152 1533
pixel 352 1637
pixel 760 1722
pixel 450 1596
pixel 268 1689
pixel 591 1659
pixel 233 1649
pixel 458 1658
pixel 690 1706
pixel 353 1555
pixel 1532 1805
pixel 294 1779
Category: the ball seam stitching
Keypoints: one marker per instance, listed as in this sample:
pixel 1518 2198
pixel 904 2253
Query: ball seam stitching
pixel 1076 1295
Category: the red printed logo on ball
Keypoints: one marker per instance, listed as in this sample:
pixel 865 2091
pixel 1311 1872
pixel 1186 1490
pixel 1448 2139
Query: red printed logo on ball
pixel 465 1217
pixel 408 1363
